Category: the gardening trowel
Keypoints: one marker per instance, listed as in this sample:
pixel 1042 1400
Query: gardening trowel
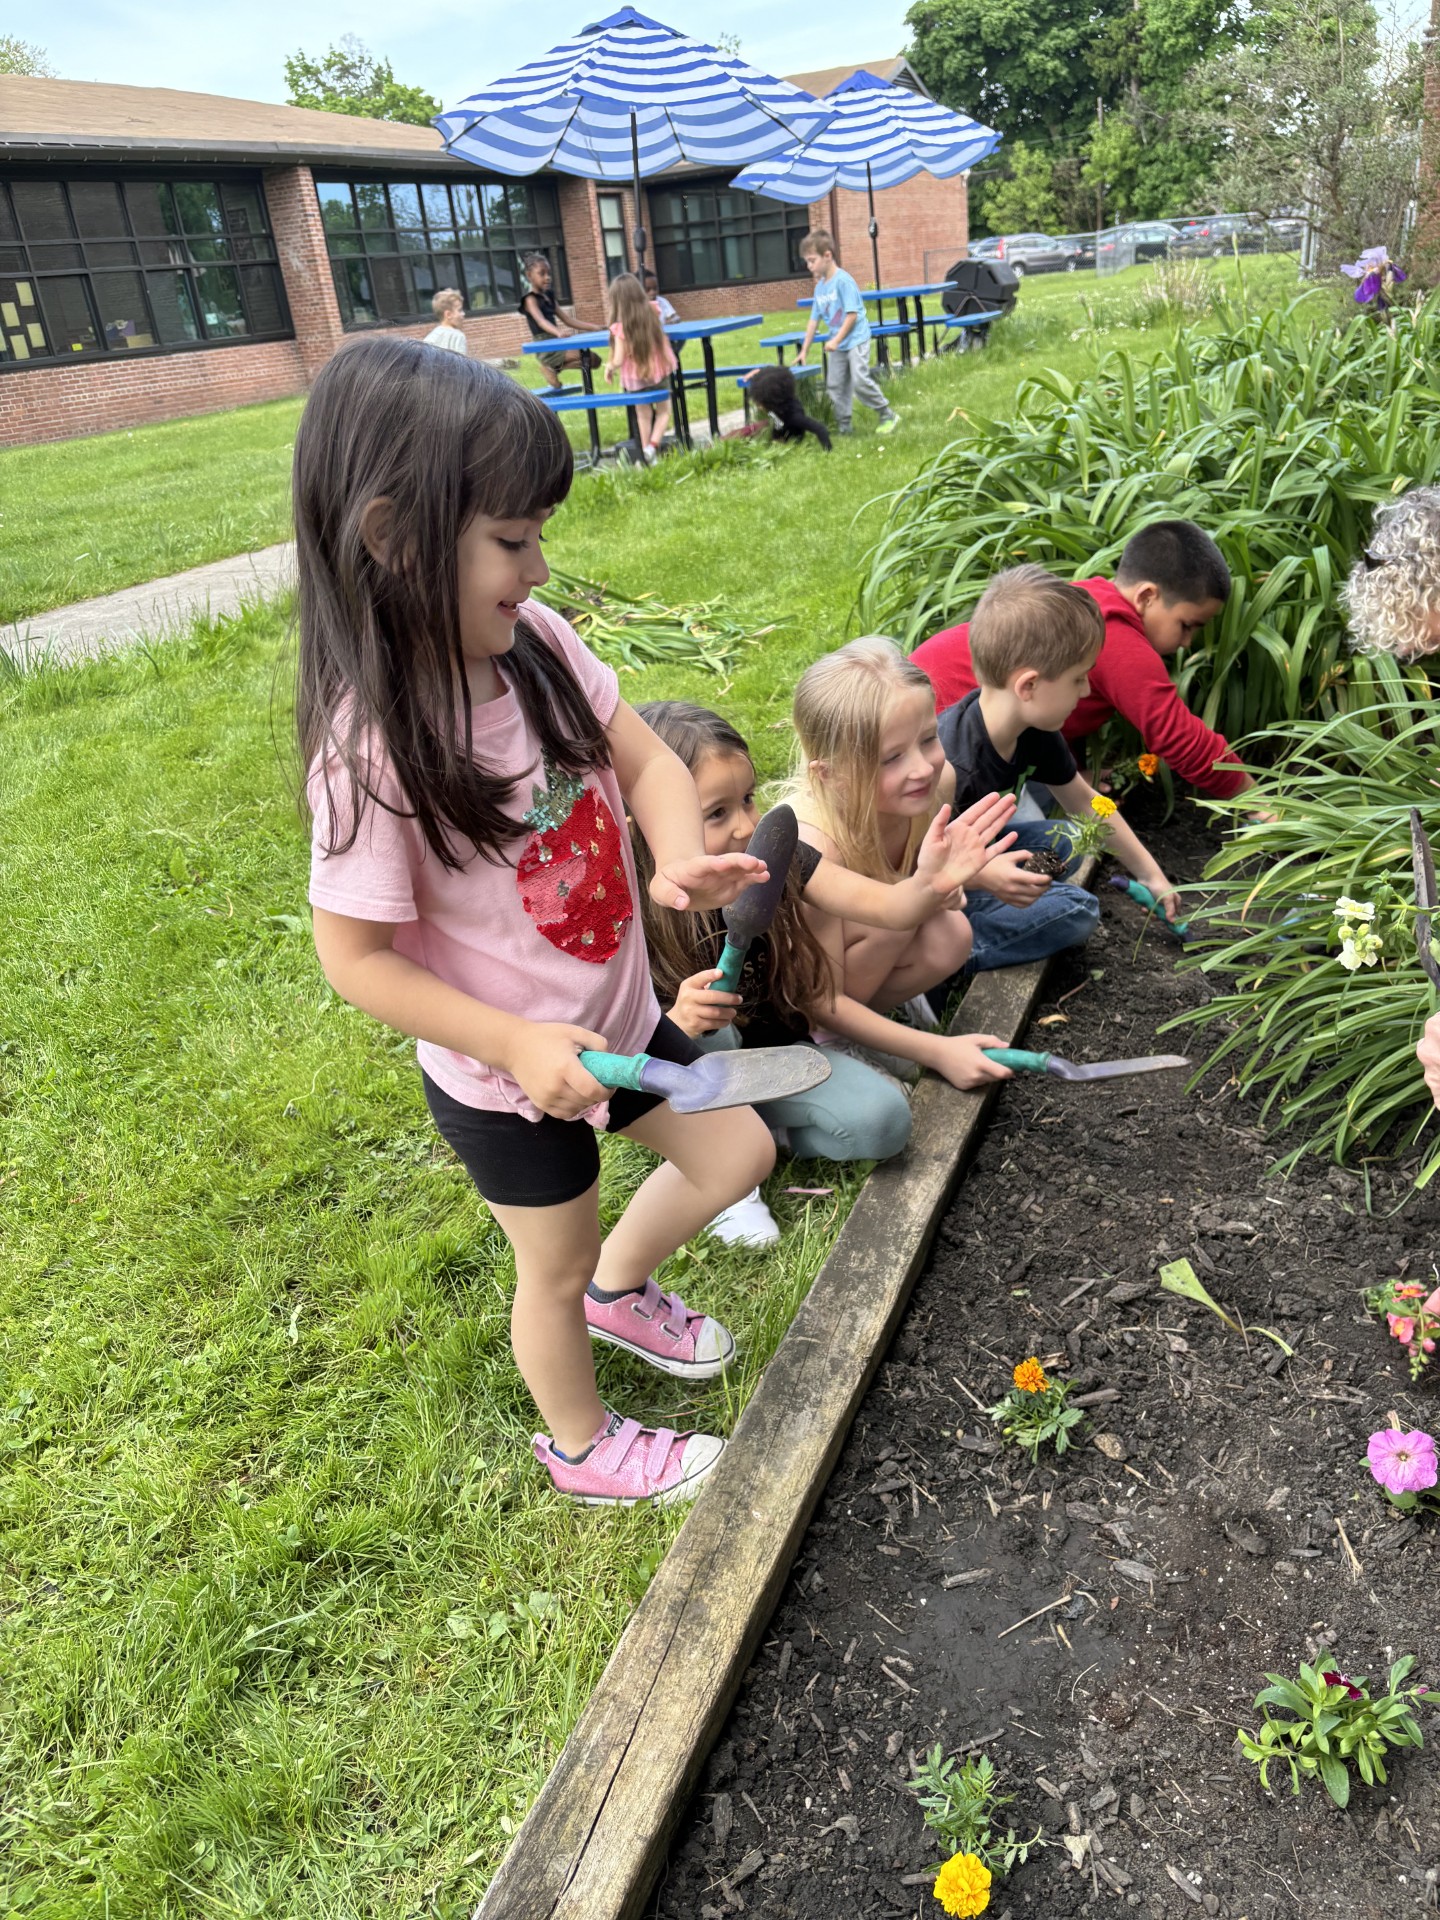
pixel 1022 1062
pixel 750 913
pixel 716 1079
pixel 1425 901
pixel 1143 897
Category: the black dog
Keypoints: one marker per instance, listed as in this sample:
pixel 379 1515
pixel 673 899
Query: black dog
pixel 774 389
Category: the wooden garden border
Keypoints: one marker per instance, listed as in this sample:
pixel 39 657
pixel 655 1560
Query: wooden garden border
pixel 596 1837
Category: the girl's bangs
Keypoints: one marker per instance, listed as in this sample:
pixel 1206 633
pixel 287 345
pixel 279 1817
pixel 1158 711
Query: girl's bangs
pixel 519 463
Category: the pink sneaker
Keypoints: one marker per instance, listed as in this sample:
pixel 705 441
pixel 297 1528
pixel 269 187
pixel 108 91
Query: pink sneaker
pixel 660 1328
pixel 628 1462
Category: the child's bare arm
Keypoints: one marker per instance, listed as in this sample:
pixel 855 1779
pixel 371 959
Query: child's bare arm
pixel 532 307
pixel 360 962
pixel 665 807
pixel 1075 797
pixel 953 854
pixel 955 1057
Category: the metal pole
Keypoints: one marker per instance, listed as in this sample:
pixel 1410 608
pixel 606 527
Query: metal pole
pixel 638 237
pixel 874 224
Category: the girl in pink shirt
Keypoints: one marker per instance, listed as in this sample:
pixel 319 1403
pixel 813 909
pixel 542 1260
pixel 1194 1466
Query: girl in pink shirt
pixel 470 765
pixel 640 355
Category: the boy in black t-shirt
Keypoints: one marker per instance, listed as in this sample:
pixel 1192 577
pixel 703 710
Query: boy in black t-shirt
pixel 1033 641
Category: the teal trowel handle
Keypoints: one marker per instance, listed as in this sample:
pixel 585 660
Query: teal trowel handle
pixel 1016 1058
pixel 617 1069
pixel 1143 897
pixel 732 959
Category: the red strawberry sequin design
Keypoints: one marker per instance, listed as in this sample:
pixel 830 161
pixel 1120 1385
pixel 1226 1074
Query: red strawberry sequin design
pixel 571 875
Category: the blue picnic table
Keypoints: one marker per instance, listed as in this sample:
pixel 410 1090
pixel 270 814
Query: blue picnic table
pixel 680 333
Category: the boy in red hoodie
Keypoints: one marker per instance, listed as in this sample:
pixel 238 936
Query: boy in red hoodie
pixel 1172 580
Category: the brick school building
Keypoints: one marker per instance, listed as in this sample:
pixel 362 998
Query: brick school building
pixel 166 253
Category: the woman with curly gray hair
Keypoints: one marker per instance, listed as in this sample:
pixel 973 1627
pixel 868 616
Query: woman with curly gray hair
pixel 1392 597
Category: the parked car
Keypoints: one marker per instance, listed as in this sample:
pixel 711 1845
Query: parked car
pixel 1024 252
pixel 1218 234
pixel 1137 240
pixel 1079 250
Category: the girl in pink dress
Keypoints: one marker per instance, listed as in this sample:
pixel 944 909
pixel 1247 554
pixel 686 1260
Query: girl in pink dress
pixel 640 356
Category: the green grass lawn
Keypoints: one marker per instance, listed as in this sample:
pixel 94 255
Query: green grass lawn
pixel 292 1624
pixel 85 517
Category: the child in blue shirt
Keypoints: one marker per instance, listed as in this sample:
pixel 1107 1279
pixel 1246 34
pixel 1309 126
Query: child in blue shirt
pixel 839 308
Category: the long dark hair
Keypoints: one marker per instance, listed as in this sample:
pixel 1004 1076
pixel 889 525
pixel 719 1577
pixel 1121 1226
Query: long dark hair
pixel 794 973
pixel 443 439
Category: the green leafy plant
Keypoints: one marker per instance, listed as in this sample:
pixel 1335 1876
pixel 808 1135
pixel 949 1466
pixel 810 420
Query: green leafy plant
pixel 1086 834
pixel 1329 1722
pixel 1320 1025
pixel 635 631
pixel 961 1804
pixel 1180 1277
pixel 1278 433
pixel 1034 1410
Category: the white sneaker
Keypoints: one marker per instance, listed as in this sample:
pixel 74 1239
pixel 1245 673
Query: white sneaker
pixel 749 1223
pixel 919 1013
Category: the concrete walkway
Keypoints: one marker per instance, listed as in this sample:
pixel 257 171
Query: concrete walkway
pixel 88 628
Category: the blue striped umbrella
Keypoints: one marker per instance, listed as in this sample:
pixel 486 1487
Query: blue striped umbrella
pixel 626 99
pixel 880 136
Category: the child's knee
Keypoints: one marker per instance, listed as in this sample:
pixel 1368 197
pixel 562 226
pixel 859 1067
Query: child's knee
pixel 882 1128
pixel 760 1145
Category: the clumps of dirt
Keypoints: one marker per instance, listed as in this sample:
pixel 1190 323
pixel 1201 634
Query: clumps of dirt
pixel 1042 860
pixel 1100 1624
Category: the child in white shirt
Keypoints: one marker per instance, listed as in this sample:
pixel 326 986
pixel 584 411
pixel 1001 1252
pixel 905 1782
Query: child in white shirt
pixel 448 307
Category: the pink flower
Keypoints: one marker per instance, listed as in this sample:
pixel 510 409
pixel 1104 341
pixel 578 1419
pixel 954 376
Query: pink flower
pixel 1339 1680
pixel 1402 1326
pixel 1403 1462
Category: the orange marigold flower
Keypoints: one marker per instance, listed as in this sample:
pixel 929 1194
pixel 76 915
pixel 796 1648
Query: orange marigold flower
pixel 1149 764
pixel 1030 1376
pixel 1103 807
pixel 962 1886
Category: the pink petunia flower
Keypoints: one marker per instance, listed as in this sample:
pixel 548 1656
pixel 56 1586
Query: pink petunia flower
pixel 1339 1680
pixel 1403 1462
pixel 1402 1326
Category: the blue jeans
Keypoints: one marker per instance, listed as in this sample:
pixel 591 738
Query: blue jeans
pixel 857 1114
pixel 1063 916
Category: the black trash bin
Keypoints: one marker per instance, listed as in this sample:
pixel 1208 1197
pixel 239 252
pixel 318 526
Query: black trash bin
pixel 980 286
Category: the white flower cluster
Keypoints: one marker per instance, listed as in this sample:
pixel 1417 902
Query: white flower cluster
pixel 1360 945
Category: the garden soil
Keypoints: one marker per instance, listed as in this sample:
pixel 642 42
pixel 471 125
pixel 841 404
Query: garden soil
pixel 1215 1520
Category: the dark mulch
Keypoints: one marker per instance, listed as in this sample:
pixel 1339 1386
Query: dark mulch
pixel 1200 1547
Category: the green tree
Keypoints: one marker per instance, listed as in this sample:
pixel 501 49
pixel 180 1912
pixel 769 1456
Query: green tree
pixel 347 78
pixel 1025 199
pixel 19 56
pixel 1021 66
pixel 1319 111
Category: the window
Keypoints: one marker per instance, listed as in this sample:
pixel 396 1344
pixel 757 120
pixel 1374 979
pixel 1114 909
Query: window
pixel 612 234
pixel 110 265
pixel 394 244
pixel 707 234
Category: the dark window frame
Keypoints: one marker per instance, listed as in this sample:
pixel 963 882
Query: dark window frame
pixel 485 231
pixel 744 219
pixel 236 249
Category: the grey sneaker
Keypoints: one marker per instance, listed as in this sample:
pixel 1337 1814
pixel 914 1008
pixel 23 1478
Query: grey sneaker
pixel 889 423
pixel 918 1013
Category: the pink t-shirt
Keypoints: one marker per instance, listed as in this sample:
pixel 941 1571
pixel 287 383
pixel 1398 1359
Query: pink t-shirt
pixel 553 935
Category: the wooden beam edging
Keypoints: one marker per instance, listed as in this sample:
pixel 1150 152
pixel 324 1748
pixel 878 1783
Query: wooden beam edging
pixel 595 1838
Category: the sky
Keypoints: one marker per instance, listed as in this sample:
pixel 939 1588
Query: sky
pixel 447 47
